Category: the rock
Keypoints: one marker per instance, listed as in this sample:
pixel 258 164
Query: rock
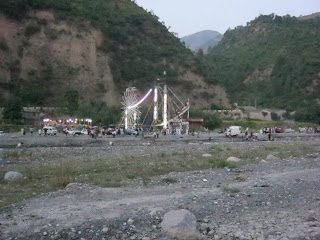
pixel 130 221
pixel 271 157
pixel 11 176
pixel 233 159
pixel 181 224
pixel 264 161
pixel 105 229
pixel 206 155
pixel 71 185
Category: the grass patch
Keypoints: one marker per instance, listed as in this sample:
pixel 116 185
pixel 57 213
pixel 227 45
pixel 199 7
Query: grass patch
pixel 114 172
pixel 240 179
pixel 169 180
pixel 231 190
pixel 17 154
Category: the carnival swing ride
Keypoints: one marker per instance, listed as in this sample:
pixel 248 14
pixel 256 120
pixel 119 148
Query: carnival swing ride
pixel 166 111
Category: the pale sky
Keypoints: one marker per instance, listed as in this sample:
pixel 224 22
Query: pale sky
pixel 190 16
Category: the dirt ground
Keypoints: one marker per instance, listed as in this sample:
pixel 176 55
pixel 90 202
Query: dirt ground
pixel 262 199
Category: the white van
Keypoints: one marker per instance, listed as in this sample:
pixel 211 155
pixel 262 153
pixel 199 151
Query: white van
pixel 233 131
pixel 50 130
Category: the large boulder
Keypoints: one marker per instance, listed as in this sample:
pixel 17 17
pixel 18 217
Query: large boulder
pixel 233 159
pixel 180 224
pixel 271 157
pixel 12 176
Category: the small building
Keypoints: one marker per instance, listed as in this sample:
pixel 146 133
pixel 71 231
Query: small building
pixel 32 116
pixel 195 124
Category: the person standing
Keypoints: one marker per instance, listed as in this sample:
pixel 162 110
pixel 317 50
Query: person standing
pixel 31 131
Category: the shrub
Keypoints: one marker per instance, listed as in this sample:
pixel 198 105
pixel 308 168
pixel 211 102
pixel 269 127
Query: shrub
pixel 12 110
pixel 274 116
pixel 31 30
pixel 212 121
pixel 3 45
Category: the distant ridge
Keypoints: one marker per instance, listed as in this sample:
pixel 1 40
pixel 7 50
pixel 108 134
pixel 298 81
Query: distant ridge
pixel 202 40
pixel 313 15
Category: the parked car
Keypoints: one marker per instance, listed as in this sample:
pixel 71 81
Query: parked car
pixel 50 130
pixel 289 130
pixel 278 130
pixel 84 131
pixel 73 131
pixel 131 132
pixel 233 131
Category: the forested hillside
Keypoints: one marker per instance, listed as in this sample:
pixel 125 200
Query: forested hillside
pixel 57 52
pixel 273 60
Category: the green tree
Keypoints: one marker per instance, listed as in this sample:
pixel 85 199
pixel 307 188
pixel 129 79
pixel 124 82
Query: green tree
pixel 72 100
pixel 13 110
pixel 212 121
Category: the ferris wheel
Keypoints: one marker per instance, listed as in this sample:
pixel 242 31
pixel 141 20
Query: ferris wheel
pixel 130 105
pixel 130 114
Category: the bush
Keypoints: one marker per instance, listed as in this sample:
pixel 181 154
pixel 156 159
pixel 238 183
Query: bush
pixel 31 30
pixel 212 121
pixel 3 45
pixel 12 110
pixel 274 116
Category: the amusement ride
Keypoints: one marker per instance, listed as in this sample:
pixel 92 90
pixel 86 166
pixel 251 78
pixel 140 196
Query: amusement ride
pixel 166 111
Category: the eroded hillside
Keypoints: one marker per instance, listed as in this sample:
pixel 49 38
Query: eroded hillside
pixel 47 51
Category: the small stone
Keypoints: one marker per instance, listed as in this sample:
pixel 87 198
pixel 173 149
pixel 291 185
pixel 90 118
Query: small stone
pixel 206 155
pixel 105 229
pixel 205 220
pixel 244 202
pixel 233 159
pixel 37 230
pixel 271 157
pixel 71 185
pixel 130 221
pixel 45 233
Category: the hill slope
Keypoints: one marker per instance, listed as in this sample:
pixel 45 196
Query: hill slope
pixel 53 51
pixel 274 60
pixel 202 40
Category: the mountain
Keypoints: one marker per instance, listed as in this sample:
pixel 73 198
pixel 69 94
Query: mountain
pixel 202 40
pixel 55 52
pixel 313 15
pixel 274 61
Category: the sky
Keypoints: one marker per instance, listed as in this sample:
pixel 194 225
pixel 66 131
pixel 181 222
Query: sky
pixel 186 17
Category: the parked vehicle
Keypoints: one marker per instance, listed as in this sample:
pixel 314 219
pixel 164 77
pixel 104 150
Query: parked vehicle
pixel 233 131
pixel 278 130
pixel 73 131
pixel 84 131
pixel 289 130
pixel 50 130
pixel 131 132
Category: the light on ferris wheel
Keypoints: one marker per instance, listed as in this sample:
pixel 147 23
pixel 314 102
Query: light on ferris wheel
pixel 138 103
